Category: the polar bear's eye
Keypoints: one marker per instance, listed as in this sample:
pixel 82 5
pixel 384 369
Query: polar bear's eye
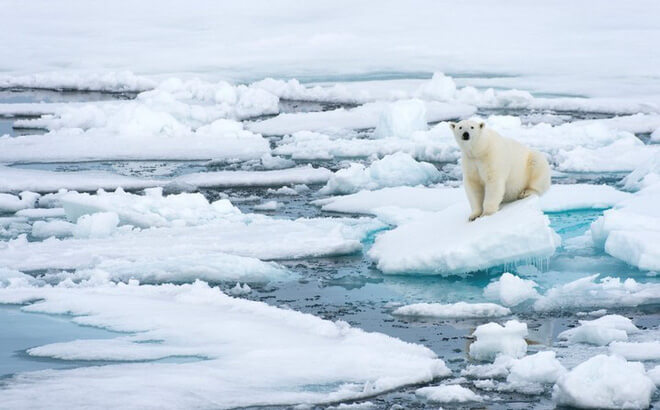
pixel 472 127
pixel 460 128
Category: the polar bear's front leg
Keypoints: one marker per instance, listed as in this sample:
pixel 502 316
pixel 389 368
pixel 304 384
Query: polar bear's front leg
pixel 494 194
pixel 475 193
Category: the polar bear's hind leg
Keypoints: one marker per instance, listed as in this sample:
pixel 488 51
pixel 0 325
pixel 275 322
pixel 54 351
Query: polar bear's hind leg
pixel 539 175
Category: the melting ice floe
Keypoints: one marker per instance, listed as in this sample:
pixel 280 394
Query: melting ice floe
pixel 601 331
pixel 393 170
pixel 238 366
pixel 454 310
pixel 445 243
pixel 631 230
pixel 448 394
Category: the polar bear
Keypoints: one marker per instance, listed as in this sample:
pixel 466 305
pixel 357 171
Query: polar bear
pixel 497 169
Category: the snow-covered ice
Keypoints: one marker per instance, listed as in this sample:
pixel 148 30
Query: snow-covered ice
pixel 510 290
pixel 454 310
pixel 445 242
pixel 393 170
pixel 601 331
pixel 636 350
pixel 493 339
pixel 448 393
pixel 238 366
pixel 606 382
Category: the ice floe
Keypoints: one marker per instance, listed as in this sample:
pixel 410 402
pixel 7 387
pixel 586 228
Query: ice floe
pixel 510 290
pixel 11 203
pixel 237 365
pixel 457 310
pixel 299 175
pixel 401 119
pixel 392 170
pixel 493 339
pixel 636 350
pixel 445 243
pixel 606 382
pixel 448 393
pixel 601 331
pixel 631 230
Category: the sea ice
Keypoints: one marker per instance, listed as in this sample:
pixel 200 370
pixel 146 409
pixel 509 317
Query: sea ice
pixel 493 339
pixel 12 203
pixel 511 290
pixel 636 350
pixel 392 170
pixel 242 348
pixel 299 175
pixel 605 382
pixel 448 393
pixel 454 310
pixel 445 243
pixel 401 119
pixel 601 331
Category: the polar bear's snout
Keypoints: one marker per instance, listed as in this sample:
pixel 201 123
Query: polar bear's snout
pixel 466 136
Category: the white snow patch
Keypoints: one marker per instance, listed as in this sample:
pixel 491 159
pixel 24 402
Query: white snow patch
pixel 453 310
pixel 448 393
pixel 601 331
pixel 511 290
pixel 493 339
pixel 606 382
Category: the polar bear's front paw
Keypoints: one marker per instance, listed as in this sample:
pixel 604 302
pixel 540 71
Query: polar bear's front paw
pixel 474 216
pixel 525 193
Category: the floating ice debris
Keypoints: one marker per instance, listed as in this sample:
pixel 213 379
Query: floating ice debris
pixel 601 331
pixel 401 119
pixel 609 292
pixel 57 228
pixel 299 175
pixel 606 382
pixel 11 203
pixel 240 290
pixel 445 243
pixel 392 170
pixel 448 393
pixel 636 350
pixel 242 346
pixel 631 230
pixel 493 339
pixel 267 206
pixel 454 310
pixel 529 373
pixel 511 290
pixel 96 225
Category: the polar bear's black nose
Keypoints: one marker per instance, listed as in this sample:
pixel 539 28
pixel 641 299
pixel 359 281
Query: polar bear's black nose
pixel 466 136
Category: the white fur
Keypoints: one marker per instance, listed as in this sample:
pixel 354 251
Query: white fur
pixel 497 169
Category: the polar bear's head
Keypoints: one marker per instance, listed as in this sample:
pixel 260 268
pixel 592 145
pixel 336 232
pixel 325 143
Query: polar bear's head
pixel 467 132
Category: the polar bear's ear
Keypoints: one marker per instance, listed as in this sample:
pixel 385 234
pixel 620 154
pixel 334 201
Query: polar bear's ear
pixel 481 125
pixel 452 125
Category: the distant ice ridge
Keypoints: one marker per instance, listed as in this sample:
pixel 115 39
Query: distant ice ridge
pixel 519 231
pixel 119 81
pixel 242 348
pixel 631 230
pixel 392 170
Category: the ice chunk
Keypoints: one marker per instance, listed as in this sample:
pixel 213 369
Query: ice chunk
pixel 511 290
pixel 531 372
pixel 605 382
pixel 493 339
pixel 436 144
pixel 636 350
pixel 448 393
pixel 631 230
pixel 645 174
pixel 440 87
pixel 601 331
pixel 581 196
pixel 239 289
pixel 270 162
pixel 454 310
pixel 587 292
pixel 267 206
pixel 151 209
pixel 445 243
pixel 300 175
pixel 18 179
pixel 96 225
pixel 401 119
pixel 59 228
pixel 392 170
pixel 621 155
pixel 362 117
pixel 242 348
pixel 12 203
